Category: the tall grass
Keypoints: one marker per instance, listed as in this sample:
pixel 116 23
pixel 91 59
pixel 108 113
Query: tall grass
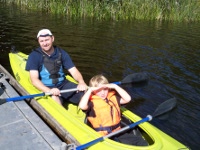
pixel 173 10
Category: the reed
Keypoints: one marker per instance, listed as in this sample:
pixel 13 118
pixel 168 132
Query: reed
pixel 173 10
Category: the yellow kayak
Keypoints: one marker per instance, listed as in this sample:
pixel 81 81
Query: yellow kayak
pixel 69 121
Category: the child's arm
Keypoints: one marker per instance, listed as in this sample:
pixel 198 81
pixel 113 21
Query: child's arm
pixel 83 104
pixel 125 97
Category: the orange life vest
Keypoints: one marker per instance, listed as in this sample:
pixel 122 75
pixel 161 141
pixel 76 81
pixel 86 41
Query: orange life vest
pixel 105 115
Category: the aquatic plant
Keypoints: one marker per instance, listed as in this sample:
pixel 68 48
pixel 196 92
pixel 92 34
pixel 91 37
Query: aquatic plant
pixel 173 10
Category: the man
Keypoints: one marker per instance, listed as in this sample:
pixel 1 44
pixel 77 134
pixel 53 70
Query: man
pixel 46 66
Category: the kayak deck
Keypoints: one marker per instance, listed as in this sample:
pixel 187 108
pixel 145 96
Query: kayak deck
pixel 68 121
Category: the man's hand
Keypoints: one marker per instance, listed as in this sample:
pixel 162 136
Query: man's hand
pixel 55 92
pixel 82 87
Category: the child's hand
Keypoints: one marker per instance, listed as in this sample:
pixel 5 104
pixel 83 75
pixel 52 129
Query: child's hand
pixel 110 86
pixel 95 88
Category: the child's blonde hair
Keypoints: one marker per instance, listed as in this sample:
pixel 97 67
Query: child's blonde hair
pixel 97 80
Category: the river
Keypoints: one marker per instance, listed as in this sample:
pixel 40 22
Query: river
pixel 168 52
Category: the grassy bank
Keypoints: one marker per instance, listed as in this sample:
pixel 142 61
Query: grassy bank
pixel 171 10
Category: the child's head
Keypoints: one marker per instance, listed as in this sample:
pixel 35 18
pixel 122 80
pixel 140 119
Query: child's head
pixel 98 80
pixel 95 82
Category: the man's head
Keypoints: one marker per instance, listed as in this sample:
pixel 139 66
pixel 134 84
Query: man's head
pixel 45 39
pixel 44 33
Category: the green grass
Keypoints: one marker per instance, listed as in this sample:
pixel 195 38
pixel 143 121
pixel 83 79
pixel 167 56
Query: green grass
pixel 171 10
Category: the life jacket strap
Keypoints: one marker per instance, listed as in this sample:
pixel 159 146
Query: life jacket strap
pixel 109 129
pixel 54 76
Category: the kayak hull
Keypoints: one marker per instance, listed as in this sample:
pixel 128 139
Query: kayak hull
pixel 68 121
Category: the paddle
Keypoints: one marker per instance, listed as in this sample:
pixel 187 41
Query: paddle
pixel 1 88
pixel 132 78
pixel 161 109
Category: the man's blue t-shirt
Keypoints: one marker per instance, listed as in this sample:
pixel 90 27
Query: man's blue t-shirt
pixel 35 59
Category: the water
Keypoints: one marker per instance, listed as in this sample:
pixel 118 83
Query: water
pixel 168 52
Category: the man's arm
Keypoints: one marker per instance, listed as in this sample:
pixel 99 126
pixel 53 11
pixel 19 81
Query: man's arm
pixel 78 77
pixel 34 76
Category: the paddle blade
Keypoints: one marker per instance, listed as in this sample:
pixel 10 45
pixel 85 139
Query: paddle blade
pixel 135 78
pixel 163 117
pixel 2 101
pixel 136 85
pixel 2 87
pixel 1 91
pixel 165 107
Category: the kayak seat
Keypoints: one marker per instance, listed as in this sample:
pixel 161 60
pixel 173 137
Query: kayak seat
pixel 125 122
pixel 132 136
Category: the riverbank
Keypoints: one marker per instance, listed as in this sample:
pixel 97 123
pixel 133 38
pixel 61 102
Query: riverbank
pixel 161 10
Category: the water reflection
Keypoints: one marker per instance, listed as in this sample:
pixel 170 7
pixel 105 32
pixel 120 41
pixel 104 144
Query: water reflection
pixel 168 52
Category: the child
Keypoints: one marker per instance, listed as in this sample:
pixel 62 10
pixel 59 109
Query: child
pixel 102 102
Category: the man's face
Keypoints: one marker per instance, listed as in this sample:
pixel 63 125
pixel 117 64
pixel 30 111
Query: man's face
pixel 46 42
